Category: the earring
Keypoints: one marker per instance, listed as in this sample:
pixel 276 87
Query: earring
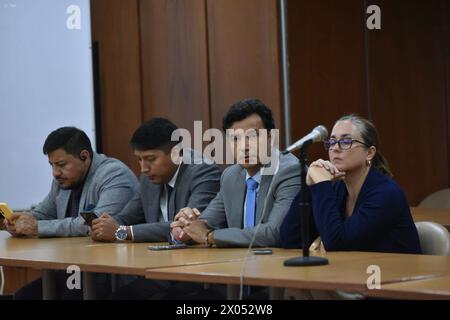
pixel 369 162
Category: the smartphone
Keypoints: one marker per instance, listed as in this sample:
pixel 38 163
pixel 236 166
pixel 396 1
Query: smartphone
pixel 168 247
pixel 6 211
pixel 88 216
pixel 262 251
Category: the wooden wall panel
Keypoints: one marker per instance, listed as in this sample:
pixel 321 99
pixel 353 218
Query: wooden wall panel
pixel 327 75
pixel 115 25
pixel 199 56
pixel 244 55
pixel 174 61
pixel 407 72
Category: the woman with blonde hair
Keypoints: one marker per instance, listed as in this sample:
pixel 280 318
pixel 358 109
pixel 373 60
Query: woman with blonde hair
pixel 355 204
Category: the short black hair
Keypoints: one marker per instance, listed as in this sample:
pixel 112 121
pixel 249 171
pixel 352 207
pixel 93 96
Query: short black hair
pixel 70 139
pixel 155 133
pixel 245 108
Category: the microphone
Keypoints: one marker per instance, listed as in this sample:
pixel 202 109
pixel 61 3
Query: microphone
pixel 318 134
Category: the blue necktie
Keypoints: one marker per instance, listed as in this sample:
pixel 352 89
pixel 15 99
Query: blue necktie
pixel 250 208
pixel 250 205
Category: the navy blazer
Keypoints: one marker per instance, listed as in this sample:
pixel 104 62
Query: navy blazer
pixel 381 220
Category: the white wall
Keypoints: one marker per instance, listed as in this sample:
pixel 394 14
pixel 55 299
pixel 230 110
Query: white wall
pixel 45 83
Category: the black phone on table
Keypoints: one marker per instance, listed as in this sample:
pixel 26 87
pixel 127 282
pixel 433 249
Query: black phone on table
pixel 88 217
pixel 168 247
pixel 262 251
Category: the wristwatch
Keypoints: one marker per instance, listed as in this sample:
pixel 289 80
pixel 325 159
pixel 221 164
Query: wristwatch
pixel 121 233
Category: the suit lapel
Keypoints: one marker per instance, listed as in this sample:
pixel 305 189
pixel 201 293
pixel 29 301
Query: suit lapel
pixel 262 195
pixel 236 216
pixel 155 206
pixel 83 205
pixel 87 181
pixel 63 203
pixel 172 207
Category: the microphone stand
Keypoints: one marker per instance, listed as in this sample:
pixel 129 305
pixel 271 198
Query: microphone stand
pixel 305 218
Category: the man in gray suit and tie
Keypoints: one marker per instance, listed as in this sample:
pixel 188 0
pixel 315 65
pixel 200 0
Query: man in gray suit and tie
pixel 166 187
pixel 249 194
pixel 83 179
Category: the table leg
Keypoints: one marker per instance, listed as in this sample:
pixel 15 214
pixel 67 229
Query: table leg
pixel 232 292
pixel 48 285
pixel 114 282
pixel 276 293
pixel 88 286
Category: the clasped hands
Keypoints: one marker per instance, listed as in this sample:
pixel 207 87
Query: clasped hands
pixel 186 226
pixel 322 170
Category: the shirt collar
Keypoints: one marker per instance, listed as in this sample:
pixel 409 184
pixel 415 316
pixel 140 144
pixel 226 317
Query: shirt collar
pixel 174 178
pixel 256 177
pixel 268 169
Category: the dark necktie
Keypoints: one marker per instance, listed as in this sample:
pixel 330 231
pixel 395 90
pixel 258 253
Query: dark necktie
pixel 168 194
pixel 74 203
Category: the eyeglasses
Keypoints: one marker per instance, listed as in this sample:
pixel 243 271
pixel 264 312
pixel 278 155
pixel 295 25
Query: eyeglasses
pixel 344 144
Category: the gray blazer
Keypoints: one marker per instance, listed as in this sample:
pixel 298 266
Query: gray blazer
pixel 225 213
pixel 195 187
pixel 109 186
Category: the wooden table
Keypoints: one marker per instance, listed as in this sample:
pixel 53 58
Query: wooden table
pixel 441 216
pixel 116 258
pixel 434 288
pixel 346 271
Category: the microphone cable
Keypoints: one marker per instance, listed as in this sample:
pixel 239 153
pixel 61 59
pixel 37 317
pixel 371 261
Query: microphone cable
pixel 244 262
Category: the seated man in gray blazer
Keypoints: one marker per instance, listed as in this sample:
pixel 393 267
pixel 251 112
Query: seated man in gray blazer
pixel 83 179
pixel 249 194
pixel 166 187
